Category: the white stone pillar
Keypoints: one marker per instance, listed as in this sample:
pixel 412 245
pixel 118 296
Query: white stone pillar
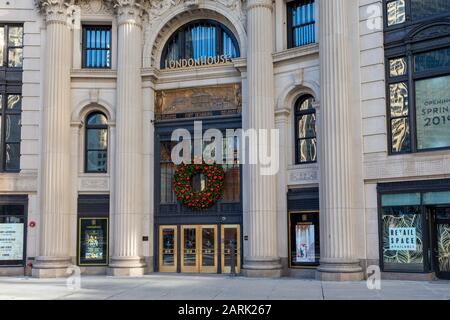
pixel 55 189
pixel 261 259
pixel 282 117
pixel 127 252
pixel 337 261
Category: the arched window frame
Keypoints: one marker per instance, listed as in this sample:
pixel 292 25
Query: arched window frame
pixel 179 37
pixel 298 115
pixel 86 145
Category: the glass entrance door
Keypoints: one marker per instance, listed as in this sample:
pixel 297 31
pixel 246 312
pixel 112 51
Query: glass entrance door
pixel 441 247
pixel 208 251
pixel 199 249
pixel 189 258
pixel 168 249
pixel 231 248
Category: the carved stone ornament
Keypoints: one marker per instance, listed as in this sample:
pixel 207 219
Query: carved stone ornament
pixel 96 6
pixel 129 10
pixel 157 8
pixel 198 102
pixel 56 10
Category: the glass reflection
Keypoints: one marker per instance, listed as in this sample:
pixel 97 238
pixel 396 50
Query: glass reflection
pixel 2 44
pixel 399 99
pixel 208 247
pixel 190 247
pixel 397 67
pixel 168 254
pixel 15 38
pixel 15 57
pixel 400 135
pixel 14 102
pixel 396 12
pixel 308 150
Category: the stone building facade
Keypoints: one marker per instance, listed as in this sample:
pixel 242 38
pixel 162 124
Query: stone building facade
pixel 92 91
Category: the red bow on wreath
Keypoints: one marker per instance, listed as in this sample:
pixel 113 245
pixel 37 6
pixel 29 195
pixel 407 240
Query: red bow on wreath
pixel 182 185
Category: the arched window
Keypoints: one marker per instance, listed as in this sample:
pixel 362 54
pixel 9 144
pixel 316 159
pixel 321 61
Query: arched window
pixel 305 130
pixel 200 39
pixel 96 147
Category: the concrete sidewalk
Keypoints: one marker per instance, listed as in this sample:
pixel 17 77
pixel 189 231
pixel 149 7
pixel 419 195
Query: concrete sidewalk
pixel 216 287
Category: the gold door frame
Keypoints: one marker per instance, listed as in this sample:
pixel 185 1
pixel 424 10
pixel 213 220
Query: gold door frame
pixel 226 269
pixel 163 268
pixel 207 269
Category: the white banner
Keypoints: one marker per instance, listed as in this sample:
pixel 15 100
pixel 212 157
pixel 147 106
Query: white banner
pixel 402 239
pixel 11 241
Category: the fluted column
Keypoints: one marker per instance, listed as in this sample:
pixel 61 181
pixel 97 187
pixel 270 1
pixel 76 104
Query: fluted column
pixel 127 252
pixel 55 189
pixel 337 260
pixel 261 258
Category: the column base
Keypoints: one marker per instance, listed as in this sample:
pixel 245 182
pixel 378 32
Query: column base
pixel 126 267
pixel 51 267
pixel 339 270
pixel 262 268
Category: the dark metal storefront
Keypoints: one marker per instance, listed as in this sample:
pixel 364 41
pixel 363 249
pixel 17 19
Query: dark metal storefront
pixel 13 230
pixel 188 240
pixel 414 227
pixel 303 225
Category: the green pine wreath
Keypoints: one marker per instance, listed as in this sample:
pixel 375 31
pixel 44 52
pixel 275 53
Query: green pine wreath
pixel 213 192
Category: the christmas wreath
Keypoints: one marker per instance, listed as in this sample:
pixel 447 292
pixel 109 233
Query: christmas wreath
pixel 182 185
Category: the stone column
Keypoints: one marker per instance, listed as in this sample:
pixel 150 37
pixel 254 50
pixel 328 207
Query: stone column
pixel 261 258
pixel 337 261
pixel 55 189
pixel 127 251
pixel 282 117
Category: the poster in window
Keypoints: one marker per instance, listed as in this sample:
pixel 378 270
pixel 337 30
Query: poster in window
pixel 93 238
pixel 305 243
pixel 402 239
pixel 433 113
pixel 11 241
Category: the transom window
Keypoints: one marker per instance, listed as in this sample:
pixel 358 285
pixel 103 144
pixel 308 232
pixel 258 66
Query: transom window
pixel 301 23
pixel 399 12
pixel 200 39
pixel 305 130
pixel 96 46
pixel 96 143
pixel 11 46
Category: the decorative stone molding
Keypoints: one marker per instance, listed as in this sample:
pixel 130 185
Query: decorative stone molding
pixel 259 3
pixel 55 11
pixel 93 184
pixel 302 176
pixel 97 7
pixel 129 11
pixel 163 17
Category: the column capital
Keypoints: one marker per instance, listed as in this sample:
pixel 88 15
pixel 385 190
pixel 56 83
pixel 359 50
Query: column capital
pixel 129 11
pixel 251 4
pixel 55 11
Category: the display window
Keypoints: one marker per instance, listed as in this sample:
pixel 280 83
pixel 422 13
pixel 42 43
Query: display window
pixel 304 240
